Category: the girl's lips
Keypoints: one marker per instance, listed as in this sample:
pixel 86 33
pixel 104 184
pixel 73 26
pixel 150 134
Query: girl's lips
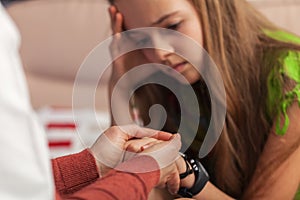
pixel 178 67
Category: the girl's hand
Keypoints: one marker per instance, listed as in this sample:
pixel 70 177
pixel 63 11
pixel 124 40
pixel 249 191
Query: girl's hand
pixel 119 93
pixel 188 181
pixel 122 64
pixel 165 153
pixel 145 144
pixel 119 68
pixel 136 145
pixel 139 145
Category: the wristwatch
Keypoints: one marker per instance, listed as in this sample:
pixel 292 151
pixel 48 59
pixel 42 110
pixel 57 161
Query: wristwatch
pixel 201 177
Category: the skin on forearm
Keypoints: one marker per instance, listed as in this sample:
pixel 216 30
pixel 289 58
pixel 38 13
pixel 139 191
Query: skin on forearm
pixel 163 194
pixel 284 180
pixel 211 192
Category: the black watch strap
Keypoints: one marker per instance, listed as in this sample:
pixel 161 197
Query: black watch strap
pixel 188 170
pixel 201 178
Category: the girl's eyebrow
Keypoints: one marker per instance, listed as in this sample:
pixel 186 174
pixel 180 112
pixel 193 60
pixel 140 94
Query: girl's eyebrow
pixel 164 17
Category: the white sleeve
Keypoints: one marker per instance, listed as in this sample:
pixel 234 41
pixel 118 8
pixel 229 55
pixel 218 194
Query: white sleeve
pixel 25 169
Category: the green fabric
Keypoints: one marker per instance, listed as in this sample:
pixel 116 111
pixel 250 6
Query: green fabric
pixel 297 196
pixel 290 68
pixel 283 36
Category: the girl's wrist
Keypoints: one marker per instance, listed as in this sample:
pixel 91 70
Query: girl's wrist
pixel 201 178
pixel 189 180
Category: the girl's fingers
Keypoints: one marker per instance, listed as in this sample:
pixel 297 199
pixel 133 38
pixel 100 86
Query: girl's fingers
pixel 173 183
pixel 150 144
pixel 116 26
pixel 112 12
pixel 118 23
pixel 137 144
pixel 116 20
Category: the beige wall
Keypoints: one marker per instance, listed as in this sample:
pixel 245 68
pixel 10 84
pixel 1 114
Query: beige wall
pixel 57 35
pixel 285 13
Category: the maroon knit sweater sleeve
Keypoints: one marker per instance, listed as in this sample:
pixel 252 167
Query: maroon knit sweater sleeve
pixel 123 184
pixel 73 172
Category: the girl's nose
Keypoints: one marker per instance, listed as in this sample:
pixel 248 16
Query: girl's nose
pixel 161 51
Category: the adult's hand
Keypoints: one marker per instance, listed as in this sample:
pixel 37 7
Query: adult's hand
pixel 141 145
pixel 109 149
pixel 166 153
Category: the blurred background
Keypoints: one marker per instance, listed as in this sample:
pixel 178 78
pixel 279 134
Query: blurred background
pixel 57 35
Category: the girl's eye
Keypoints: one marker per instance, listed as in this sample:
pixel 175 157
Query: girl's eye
pixel 174 26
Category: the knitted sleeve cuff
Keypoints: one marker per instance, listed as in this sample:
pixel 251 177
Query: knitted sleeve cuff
pixel 73 172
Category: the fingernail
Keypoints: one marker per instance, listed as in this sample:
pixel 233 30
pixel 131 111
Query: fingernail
pixel 144 147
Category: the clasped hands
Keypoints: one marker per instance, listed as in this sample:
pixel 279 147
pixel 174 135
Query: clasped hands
pixel 120 144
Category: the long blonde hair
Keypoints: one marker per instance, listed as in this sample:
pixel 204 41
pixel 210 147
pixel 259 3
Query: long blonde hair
pixel 235 40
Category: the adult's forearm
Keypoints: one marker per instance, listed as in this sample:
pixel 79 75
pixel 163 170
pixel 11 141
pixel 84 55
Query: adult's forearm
pixel 73 172
pixel 123 184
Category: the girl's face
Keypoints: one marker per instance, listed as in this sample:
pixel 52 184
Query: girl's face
pixel 178 15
